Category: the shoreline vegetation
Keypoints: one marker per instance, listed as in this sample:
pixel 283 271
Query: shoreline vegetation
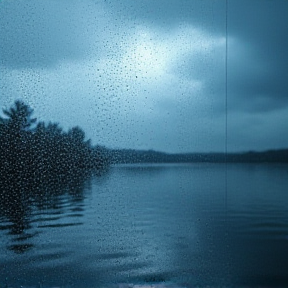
pixel 37 151
pixel 130 156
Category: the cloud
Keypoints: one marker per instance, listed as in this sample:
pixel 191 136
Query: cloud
pixel 258 131
pixel 255 83
pixel 203 14
pixel 34 33
pixel 257 55
pixel 45 33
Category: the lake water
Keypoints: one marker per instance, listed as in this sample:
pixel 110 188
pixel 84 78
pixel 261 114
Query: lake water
pixel 184 225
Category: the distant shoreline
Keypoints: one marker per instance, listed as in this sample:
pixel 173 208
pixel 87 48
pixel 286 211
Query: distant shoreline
pixel 130 156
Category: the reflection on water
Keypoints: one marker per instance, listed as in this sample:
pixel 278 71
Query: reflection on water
pixel 153 224
pixel 25 208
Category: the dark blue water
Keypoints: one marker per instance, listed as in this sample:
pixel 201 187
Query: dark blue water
pixel 191 225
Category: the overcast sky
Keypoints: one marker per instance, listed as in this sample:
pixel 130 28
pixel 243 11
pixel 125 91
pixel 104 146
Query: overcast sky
pixel 150 74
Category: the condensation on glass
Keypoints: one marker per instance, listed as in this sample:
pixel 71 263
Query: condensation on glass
pixel 143 143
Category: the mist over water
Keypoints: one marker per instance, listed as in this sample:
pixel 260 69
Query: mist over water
pixel 169 223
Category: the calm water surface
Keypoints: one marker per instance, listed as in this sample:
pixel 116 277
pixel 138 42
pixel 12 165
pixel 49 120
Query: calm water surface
pixel 151 224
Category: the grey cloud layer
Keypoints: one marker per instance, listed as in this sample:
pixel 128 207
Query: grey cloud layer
pixel 42 33
pixel 39 33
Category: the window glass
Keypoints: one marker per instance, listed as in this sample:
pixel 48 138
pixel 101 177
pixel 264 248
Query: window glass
pixel 143 143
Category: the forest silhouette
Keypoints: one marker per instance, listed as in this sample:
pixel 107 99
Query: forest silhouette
pixel 37 151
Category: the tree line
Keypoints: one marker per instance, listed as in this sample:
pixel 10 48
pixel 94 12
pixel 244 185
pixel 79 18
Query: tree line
pixel 36 150
pixel 129 156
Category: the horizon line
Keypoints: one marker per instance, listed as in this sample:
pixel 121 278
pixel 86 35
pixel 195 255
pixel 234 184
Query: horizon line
pixel 210 152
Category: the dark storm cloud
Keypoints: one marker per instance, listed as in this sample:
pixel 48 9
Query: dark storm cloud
pixel 257 55
pixel 42 33
pixel 257 58
pixel 205 14
pixel 36 33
